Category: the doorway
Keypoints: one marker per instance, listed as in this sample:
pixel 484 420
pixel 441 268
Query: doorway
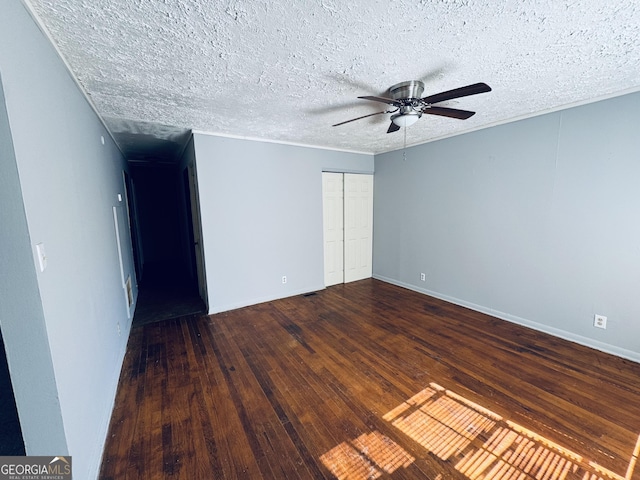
pixel 11 442
pixel 347 204
pixel 168 280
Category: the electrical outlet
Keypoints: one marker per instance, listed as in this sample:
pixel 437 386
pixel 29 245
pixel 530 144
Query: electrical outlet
pixel 600 321
pixel 119 332
pixel 284 279
pixel 423 277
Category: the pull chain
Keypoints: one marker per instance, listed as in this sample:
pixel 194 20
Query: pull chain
pixel 404 151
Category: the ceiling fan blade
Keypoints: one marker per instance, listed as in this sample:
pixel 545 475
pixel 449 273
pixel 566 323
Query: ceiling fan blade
pixel 457 93
pixel 364 116
pixel 393 128
pixel 449 112
pixel 390 101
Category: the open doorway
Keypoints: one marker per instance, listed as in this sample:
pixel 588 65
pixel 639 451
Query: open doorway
pixel 11 441
pixel 168 281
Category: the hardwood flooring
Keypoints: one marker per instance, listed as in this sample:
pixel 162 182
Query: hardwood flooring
pixel 368 380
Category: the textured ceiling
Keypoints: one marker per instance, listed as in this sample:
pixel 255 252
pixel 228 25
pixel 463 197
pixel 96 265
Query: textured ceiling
pixel 286 71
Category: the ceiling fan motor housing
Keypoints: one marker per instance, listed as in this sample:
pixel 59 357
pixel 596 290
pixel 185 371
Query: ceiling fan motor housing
pixel 407 90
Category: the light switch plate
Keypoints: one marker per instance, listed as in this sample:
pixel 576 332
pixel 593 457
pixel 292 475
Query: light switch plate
pixel 42 256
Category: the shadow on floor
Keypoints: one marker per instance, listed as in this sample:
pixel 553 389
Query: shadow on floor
pixel 164 295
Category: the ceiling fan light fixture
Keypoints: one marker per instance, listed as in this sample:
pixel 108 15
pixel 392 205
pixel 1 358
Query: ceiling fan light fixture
pixel 405 119
pixel 407 100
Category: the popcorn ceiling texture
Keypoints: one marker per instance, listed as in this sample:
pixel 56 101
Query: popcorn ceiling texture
pixel 286 70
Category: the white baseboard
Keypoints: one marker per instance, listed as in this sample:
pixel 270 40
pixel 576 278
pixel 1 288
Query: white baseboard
pixel 103 432
pixel 213 309
pixel 572 337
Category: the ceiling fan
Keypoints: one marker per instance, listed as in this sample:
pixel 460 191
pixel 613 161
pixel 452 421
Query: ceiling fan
pixel 405 97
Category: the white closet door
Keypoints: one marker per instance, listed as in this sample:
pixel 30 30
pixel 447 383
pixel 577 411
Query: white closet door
pixel 358 227
pixel 333 213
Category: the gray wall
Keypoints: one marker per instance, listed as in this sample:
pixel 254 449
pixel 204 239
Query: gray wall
pixel 534 221
pixel 69 182
pixel 21 315
pixel 261 210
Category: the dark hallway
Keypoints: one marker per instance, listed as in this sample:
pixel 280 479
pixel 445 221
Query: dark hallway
pixel 164 294
pixel 168 286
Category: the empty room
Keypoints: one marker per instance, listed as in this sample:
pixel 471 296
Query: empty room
pixel 280 240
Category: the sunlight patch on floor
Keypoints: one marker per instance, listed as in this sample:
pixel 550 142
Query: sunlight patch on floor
pixel 482 445
pixel 477 442
pixel 367 457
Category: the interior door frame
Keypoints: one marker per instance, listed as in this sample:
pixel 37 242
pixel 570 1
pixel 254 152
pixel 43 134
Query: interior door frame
pixel 196 223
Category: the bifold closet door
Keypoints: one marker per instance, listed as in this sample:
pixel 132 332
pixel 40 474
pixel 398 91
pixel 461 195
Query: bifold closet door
pixel 358 227
pixel 348 227
pixel 333 225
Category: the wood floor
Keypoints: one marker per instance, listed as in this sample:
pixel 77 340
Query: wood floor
pixel 364 381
